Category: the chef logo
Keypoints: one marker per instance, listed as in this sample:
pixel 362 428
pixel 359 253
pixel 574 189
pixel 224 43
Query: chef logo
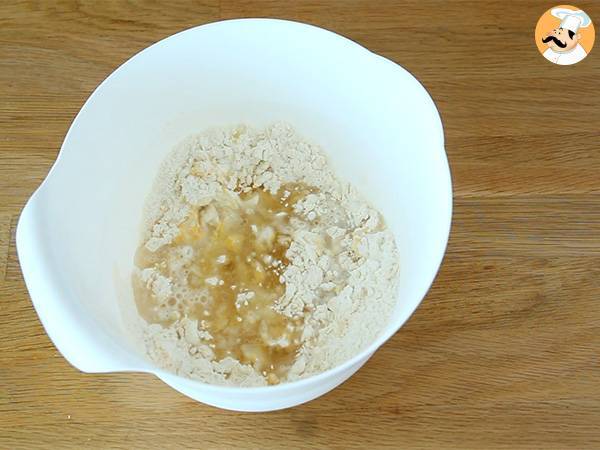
pixel 564 35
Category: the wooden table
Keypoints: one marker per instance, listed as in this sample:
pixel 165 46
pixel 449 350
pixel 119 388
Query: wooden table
pixel 503 352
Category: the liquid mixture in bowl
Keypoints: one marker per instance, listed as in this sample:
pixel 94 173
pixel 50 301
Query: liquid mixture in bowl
pixel 257 264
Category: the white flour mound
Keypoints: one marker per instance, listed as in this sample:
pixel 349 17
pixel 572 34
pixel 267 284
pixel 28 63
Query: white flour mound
pixel 345 292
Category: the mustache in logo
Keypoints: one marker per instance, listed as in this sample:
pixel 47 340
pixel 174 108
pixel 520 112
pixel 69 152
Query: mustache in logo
pixel 555 40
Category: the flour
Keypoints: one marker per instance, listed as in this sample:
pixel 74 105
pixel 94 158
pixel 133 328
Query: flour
pixel 338 279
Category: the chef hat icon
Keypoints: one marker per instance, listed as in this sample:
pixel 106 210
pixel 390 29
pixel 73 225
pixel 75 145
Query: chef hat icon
pixel 571 20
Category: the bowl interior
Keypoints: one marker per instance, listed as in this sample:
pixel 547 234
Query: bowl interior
pixel 379 127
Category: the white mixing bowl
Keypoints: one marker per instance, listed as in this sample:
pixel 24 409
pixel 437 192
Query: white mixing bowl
pixel 78 233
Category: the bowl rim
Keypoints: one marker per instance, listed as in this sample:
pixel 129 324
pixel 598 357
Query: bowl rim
pixel 364 354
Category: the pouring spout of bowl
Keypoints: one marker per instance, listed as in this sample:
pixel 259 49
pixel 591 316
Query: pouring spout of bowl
pixel 81 341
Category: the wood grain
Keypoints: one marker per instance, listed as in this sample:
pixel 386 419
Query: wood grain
pixel 503 352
